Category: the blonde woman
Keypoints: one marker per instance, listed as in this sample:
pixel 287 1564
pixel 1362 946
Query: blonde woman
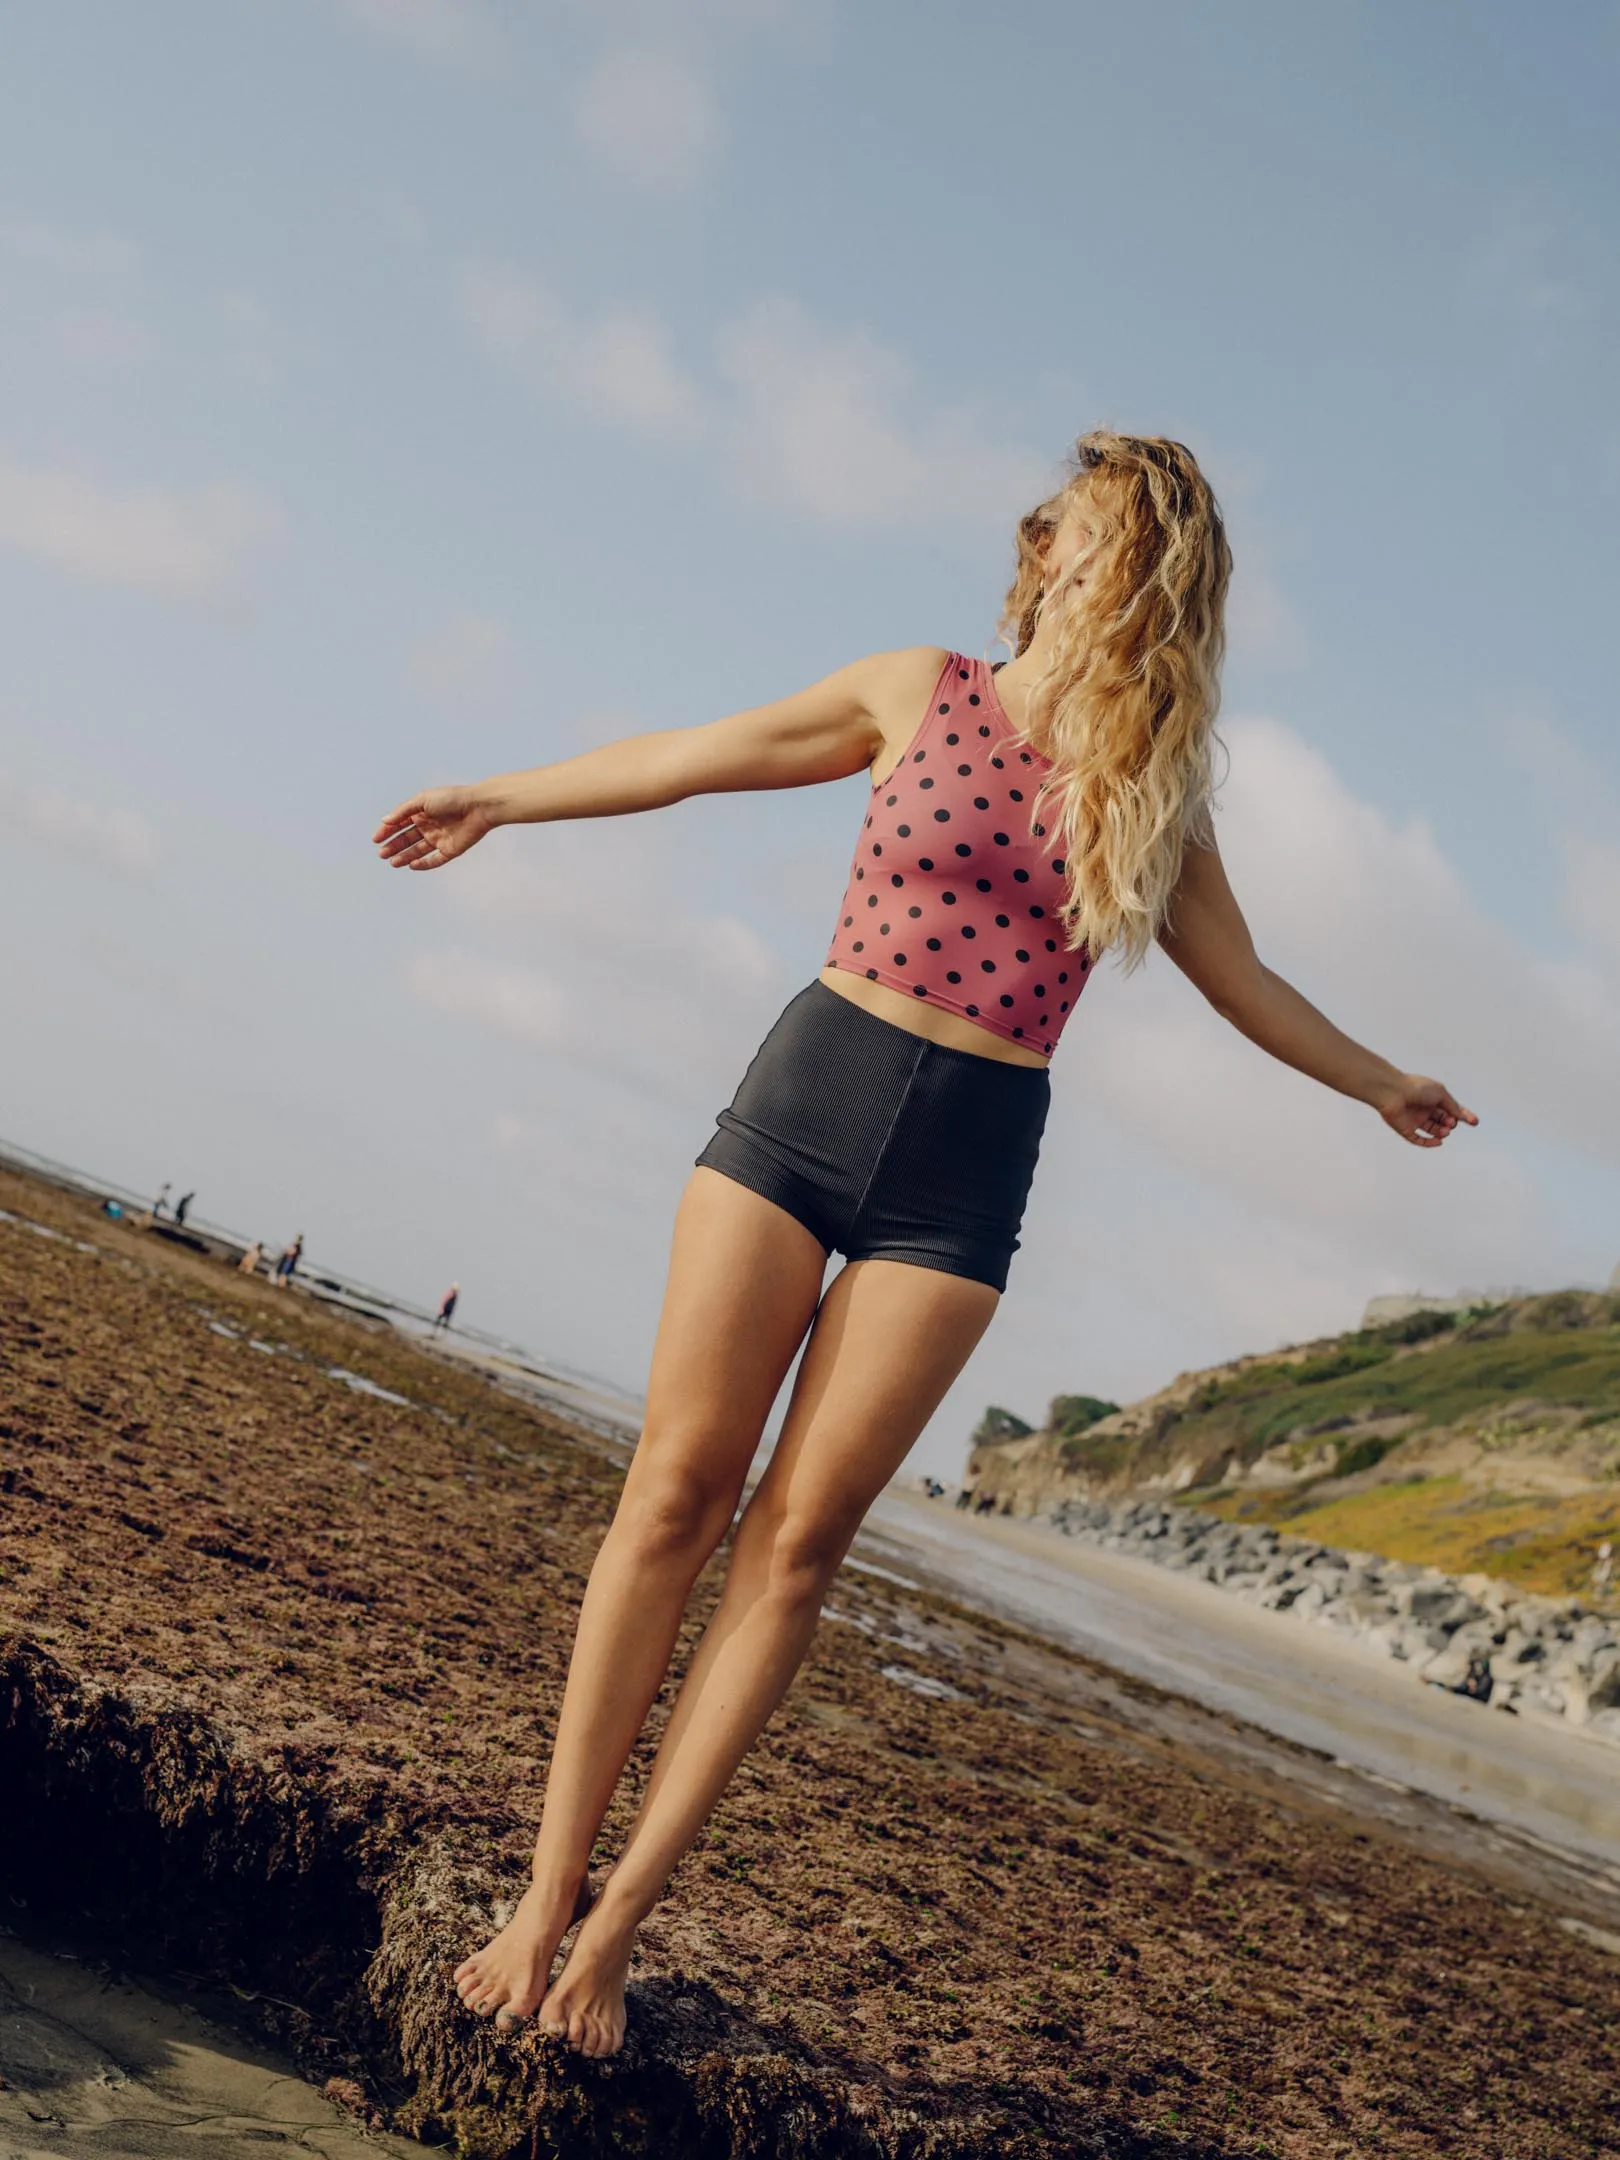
pixel 1021 822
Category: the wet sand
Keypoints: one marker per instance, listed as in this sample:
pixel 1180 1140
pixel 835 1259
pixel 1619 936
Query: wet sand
pixel 1310 1684
pixel 95 2068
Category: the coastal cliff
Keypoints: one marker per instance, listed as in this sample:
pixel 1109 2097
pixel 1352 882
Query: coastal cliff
pixel 1520 1399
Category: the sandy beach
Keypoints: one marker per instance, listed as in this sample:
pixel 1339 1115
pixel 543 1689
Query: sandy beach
pixel 283 1622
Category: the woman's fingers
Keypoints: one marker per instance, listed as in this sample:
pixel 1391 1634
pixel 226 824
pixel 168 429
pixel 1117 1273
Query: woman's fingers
pixel 430 861
pixel 406 836
pixel 396 818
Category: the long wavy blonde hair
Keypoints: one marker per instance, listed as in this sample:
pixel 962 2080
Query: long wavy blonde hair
pixel 1126 708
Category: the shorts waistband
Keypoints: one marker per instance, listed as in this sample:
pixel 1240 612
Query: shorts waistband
pixel 895 1037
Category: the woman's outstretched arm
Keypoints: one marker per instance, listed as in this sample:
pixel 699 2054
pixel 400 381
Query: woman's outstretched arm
pixel 1206 936
pixel 826 732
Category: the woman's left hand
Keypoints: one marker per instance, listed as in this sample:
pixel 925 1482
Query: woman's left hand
pixel 1423 1111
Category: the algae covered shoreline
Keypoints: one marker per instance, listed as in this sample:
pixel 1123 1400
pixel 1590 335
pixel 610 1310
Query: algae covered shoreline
pixel 280 1658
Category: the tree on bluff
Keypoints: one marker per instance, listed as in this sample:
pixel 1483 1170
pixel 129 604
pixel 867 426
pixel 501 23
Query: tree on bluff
pixel 1070 1414
pixel 998 1425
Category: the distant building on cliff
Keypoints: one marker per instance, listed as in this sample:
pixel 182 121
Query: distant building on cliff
pixel 1400 1306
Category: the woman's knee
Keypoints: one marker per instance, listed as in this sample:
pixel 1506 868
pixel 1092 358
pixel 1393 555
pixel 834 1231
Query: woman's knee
pixel 802 1553
pixel 674 1510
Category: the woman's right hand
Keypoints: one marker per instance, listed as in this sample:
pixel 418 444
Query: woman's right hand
pixel 433 828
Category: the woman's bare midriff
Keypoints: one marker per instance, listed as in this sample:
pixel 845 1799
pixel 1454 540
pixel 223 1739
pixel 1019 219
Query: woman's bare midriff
pixel 931 1022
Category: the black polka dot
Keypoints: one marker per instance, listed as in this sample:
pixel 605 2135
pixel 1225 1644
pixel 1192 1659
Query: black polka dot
pixel 871 974
pixel 943 708
pixel 981 802
pixel 983 730
pixel 889 802
pixel 877 847
pixel 968 930
pixel 962 773
pixel 973 699
pixel 1040 989
pixel 972 1011
pixel 904 832
pixel 848 919
pixel 899 959
pixel 1043 1019
pixel 1006 1000
pixel 1023 757
pixel 895 878
pixel 999 838
pixel 989 966
pixel 859 945
pixel 1039 831
pixel 1016 794
pixel 1020 877
pixel 1020 954
pixel 949 898
pixel 860 874
pixel 914 912
pixel 953 740
pixel 942 817
pixel 962 848
pixel 1037 912
pixel 1064 976
pixel 1058 863
pixel 951 975
pixel 925 783
pixel 933 944
pixel 962 673
pixel 996 762
pixel 1018 1031
pixel 891 798
pixel 1003 922
pixel 883 929
pixel 871 899
pixel 919 989
pixel 1063 1005
pixel 923 863
pixel 917 756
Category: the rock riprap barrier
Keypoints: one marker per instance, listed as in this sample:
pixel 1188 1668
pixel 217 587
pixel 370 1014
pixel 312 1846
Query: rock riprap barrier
pixel 1548 1657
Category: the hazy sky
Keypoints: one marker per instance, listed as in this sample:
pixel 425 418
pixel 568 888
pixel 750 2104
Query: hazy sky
pixel 402 390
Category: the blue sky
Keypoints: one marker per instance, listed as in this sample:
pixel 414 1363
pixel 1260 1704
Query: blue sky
pixel 400 390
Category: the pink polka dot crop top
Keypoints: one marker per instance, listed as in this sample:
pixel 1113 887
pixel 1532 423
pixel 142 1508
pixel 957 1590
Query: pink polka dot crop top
pixel 951 896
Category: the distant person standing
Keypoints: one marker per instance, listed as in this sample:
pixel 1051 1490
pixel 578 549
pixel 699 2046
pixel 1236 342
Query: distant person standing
pixel 287 1265
pixel 249 1262
pixel 181 1205
pixel 447 1306
pixel 159 1204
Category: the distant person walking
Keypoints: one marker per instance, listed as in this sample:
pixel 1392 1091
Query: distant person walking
pixel 447 1306
pixel 249 1262
pixel 181 1205
pixel 159 1204
pixel 287 1265
pixel 1021 821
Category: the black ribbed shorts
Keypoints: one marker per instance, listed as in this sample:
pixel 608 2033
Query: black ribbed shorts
pixel 884 1145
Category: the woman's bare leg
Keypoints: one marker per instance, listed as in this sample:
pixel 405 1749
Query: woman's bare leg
pixel 888 1341
pixel 744 1278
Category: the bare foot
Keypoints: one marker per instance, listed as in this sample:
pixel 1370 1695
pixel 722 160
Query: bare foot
pixel 585 2007
pixel 508 1976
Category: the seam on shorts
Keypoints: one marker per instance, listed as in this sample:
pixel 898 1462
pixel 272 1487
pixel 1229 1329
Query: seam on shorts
pixel 883 1146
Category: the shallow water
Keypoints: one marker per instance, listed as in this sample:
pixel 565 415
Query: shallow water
pixel 1303 1681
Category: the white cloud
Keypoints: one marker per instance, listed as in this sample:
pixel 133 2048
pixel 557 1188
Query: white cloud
pixel 67 250
pixel 833 423
pixel 828 423
pixel 453 33
pixel 466 660
pixel 619 368
pixel 649 113
pixel 1591 894
pixel 116 838
pixel 193 548
pixel 589 949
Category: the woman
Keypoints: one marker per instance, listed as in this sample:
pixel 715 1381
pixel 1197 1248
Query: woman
pixel 1039 815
